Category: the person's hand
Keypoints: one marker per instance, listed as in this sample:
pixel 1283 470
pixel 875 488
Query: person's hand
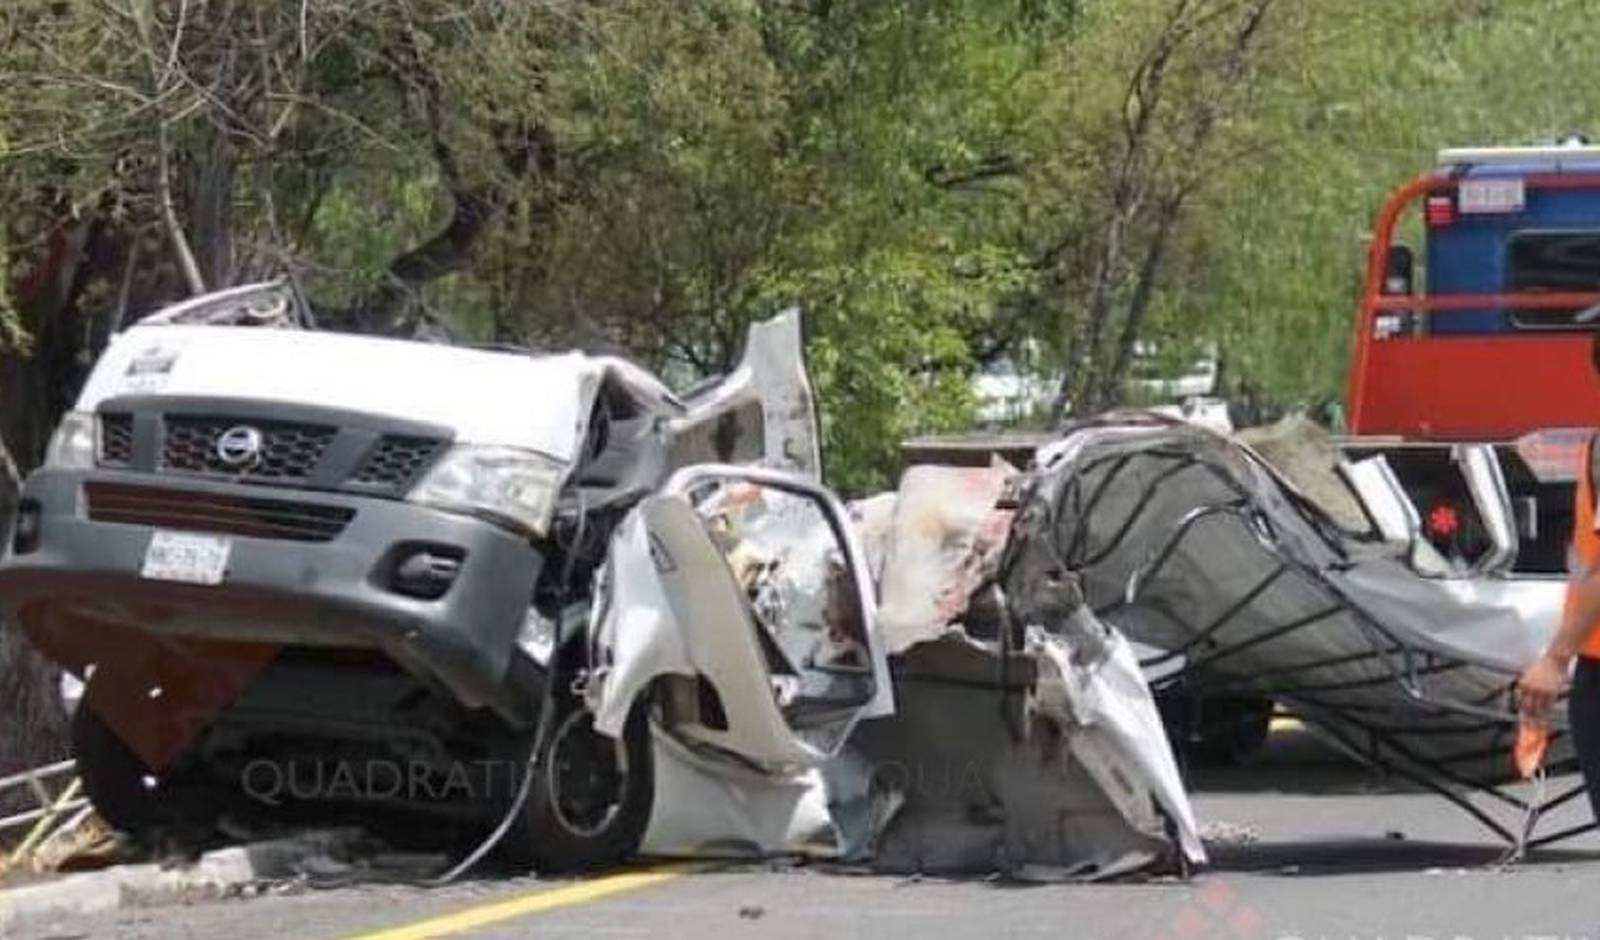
pixel 1539 686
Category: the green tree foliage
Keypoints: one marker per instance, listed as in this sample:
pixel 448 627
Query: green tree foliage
pixel 937 183
pixel 1273 259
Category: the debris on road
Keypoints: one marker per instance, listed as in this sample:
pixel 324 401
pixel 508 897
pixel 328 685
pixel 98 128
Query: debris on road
pixel 1219 833
pixel 58 825
pixel 1016 707
pixel 1189 542
pixel 225 872
pixel 1009 715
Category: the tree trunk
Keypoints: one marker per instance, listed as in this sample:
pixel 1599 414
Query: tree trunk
pixel 34 391
pixel 210 198
pixel 35 725
pixel 1139 304
pixel 1082 371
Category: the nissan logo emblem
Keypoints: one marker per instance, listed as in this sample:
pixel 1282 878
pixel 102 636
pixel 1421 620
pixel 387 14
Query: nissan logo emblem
pixel 240 447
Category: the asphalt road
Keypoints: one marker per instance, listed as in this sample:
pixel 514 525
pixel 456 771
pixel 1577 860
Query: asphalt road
pixel 1311 847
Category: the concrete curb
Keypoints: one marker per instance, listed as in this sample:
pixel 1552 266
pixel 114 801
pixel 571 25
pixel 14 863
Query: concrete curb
pixel 151 885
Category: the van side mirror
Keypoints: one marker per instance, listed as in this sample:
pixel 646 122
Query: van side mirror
pixel 1398 277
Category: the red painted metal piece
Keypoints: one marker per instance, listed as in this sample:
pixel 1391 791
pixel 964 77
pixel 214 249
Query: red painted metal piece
pixel 1458 387
pixel 1454 303
pixel 1478 388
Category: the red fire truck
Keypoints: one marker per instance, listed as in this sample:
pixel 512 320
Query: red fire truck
pixel 1482 339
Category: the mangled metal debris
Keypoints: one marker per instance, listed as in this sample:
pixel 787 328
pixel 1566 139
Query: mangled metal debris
pixel 541 598
pixel 1022 738
pixel 1189 542
pixel 1025 732
pixel 59 830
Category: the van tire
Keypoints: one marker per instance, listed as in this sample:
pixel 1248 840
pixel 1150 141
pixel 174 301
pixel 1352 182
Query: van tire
pixel 570 832
pixel 113 776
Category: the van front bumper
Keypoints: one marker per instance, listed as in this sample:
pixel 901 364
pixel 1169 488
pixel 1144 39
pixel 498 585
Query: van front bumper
pixel 304 568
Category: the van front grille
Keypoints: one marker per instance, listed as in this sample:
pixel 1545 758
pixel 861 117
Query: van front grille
pixel 116 439
pixel 288 452
pixel 395 461
pixel 324 450
pixel 193 511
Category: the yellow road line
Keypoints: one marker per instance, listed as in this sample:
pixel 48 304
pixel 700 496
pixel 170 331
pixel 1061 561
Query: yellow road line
pixel 581 892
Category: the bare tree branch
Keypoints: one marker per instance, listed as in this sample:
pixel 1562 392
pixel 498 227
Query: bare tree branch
pixel 1143 294
pixel 169 212
pixel 175 46
pixel 143 16
pixel 995 167
pixel 1166 138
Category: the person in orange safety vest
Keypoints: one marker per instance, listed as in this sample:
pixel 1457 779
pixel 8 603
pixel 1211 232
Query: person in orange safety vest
pixel 1576 644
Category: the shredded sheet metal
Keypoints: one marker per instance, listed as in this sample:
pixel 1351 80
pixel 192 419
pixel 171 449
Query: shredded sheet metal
pixel 944 540
pixel 1032 749
pixel 1063 773
pixel 713 808
pixel 1003 774
pixel 1112 725
pixel 1188 542
pixel 1025 738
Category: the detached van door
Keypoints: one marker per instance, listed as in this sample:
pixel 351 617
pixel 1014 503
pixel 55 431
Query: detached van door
pixel 764 412
pixel 742 598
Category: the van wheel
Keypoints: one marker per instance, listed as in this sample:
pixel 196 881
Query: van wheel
pixel 590 799
pixel 119 785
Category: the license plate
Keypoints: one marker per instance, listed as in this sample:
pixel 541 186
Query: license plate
pixel 182 556
pixel 1491 197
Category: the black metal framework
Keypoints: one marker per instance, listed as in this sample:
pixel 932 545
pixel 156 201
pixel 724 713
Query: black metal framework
pixel 1064 492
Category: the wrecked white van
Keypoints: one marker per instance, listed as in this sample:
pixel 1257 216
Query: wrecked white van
pixel 323 569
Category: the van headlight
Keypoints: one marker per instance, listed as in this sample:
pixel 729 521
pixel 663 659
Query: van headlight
pixel 72 447
pixel 506 484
